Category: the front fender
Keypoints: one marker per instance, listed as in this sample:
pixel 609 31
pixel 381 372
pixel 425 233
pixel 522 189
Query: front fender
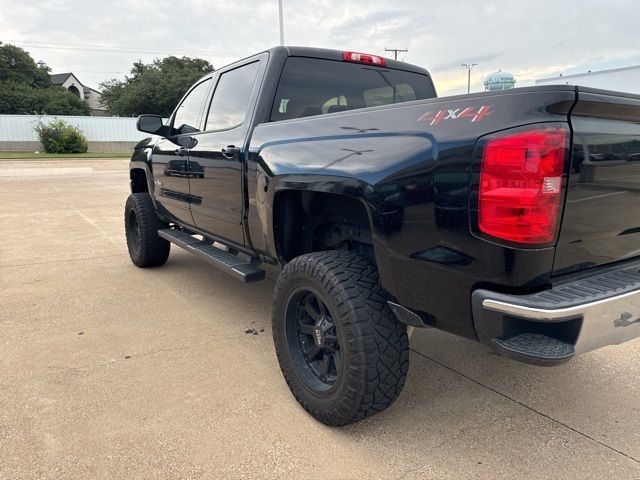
pixel 141 159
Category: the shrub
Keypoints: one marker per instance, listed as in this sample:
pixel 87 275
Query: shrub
pixel 60 137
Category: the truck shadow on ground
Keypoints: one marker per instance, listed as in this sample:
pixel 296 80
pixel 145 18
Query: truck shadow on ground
pixel 449 377
pixel 459 397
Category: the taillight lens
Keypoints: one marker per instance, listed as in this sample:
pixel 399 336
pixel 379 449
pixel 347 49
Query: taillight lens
pixel 363 58
pixel 521 185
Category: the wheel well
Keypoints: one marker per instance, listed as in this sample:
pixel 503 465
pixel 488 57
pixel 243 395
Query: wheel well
pixel 138 181
pixel 306 222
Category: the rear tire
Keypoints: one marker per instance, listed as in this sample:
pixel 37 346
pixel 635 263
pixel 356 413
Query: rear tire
pixel 341 350
pixel 146 247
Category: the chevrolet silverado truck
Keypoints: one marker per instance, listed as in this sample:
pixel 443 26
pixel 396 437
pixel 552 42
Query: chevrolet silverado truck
pixel 511 218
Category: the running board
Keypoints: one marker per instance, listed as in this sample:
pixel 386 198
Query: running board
pixel 225 261
pixel 535 349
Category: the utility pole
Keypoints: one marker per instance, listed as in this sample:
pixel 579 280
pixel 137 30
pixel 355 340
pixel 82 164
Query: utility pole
pixel 395 51
pixel 280 12
pixel 469 67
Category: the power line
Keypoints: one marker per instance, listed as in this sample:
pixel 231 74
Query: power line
pixel 116 48
pixel 80 71
pixel 119 47
pixel 395 51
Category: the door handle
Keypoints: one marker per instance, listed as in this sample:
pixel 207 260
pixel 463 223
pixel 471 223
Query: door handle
pixel 231 151
pixel 181 152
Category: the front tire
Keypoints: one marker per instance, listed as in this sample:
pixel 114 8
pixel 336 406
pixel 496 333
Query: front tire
pixel 340 348
pixel 146 247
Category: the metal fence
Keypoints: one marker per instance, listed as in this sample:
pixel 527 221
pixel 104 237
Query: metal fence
pixel 104 134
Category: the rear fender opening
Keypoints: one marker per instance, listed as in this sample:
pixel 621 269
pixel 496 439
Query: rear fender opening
pixel 306 222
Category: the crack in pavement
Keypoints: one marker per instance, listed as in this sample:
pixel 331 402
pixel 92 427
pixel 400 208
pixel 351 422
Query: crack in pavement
pixel 542 414
pixel 105 234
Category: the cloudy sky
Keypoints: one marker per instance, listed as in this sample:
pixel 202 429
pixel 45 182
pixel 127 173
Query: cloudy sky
pixel 100 39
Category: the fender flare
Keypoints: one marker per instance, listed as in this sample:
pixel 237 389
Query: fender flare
pixel 335 185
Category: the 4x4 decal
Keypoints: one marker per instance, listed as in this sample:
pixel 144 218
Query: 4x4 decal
pixel 470 113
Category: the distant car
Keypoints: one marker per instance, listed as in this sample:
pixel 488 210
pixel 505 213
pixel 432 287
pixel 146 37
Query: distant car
pixel 378 206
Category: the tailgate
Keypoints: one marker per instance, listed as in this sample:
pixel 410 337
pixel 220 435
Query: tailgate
pixel 601 222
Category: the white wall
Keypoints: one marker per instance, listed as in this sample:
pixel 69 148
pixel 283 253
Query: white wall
pixel 93 99
pixel 620 80
pixel 19 128
pixel 104 134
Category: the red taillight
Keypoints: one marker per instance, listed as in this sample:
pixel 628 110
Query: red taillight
pixel 363 58
pixel 520 185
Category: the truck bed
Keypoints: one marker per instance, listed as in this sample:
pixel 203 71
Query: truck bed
pixel 412 165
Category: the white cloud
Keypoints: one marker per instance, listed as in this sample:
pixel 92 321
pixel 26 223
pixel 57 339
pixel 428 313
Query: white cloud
pixel 531 39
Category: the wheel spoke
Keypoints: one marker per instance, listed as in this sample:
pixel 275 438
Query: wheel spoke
pixel 326 324
pixel 336 361
pixel 313 352
pixel 312 312
pixel 323 310
pixel 324 368
pixel 330 339
pixel 306 328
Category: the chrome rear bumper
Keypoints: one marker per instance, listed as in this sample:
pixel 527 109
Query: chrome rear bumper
pixel 587 313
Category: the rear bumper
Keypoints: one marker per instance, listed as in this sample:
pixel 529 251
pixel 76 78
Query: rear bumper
pixel 575 316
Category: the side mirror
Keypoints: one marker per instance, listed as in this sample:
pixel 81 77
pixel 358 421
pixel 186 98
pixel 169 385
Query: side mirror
pixel 185 141
pixel 150 124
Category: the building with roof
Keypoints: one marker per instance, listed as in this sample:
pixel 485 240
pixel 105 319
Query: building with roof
pixel 626 79
pixel 70 82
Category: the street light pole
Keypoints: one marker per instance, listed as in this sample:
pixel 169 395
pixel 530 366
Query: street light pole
pixel 280 12
pixel 468 67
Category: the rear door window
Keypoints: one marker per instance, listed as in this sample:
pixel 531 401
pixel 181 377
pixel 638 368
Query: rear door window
pixel 229 104
pixel 311 86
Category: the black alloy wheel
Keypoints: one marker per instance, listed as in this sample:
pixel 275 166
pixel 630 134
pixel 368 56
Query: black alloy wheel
pixel 134 232
pixel 312 339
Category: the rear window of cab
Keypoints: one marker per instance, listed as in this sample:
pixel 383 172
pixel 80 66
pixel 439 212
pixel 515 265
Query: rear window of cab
pixel 311 86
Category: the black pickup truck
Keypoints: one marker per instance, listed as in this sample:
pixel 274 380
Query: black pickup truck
pixel 511 218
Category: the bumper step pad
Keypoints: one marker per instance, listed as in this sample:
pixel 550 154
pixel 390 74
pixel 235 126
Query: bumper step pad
pixel 535 348
pixel 232 264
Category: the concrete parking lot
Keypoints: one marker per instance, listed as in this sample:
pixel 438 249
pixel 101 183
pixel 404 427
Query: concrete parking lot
pixel 110 371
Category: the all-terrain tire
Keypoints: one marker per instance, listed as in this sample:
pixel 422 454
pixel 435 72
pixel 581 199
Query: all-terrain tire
pixel 146 247
pixel 374 347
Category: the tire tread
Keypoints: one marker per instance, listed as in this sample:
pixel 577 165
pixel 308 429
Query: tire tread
pixel 154 250
pixel 378 343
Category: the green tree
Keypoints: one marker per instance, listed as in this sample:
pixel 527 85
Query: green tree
pixel 59 101
pixel 17 65
pixel 154 88
pixel 25 87
pixel 20 98
pixel 16 97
